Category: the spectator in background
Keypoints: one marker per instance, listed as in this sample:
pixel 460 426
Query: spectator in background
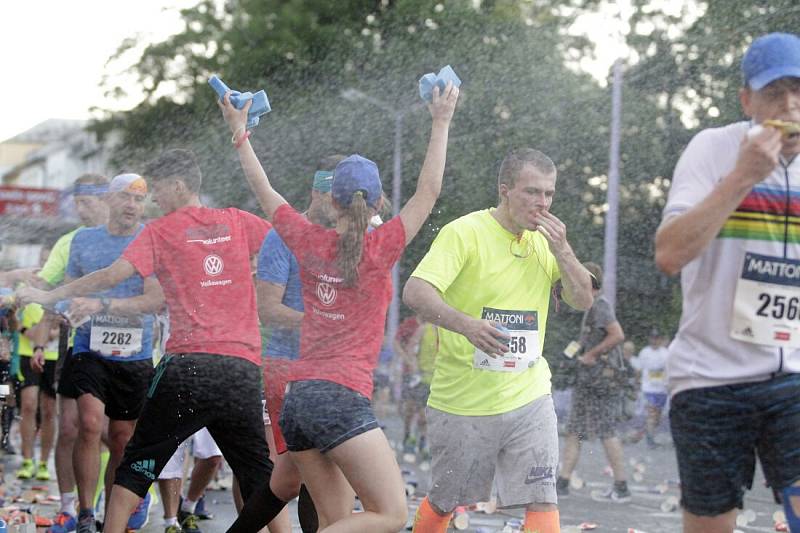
pixel 596 399
pixel 651 362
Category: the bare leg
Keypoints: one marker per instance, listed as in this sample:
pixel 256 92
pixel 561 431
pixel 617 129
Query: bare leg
pixel 47 429
pixel 119 509
pixel 281 523
pixel 65 443
pixel 170 490
pixel 616 457
pixel 119 433
pixel 27 427
pixel 86 455
pixel 723 523
pixel 368 464
pixel 572 451
pixel 202 474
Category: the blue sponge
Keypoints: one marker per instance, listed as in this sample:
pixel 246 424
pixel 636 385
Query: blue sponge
pixel 431 80
pixel 260 105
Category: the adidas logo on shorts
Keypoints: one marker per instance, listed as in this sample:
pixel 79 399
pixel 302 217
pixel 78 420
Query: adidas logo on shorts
pixel 145 467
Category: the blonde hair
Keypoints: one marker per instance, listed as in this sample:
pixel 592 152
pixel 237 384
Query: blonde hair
pixel 350 245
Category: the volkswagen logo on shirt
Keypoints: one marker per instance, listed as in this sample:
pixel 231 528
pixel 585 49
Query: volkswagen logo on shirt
pixel 213 265
pixel 326 294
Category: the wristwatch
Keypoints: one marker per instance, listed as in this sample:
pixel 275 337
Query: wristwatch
pixel 106 304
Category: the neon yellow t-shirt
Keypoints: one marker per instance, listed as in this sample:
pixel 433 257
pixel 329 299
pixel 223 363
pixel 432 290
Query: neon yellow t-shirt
pixel 471 264
pixel 31 315
pixel 55 267
pixel 428 347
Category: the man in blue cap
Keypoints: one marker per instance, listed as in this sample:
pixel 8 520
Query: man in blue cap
pixel 730 229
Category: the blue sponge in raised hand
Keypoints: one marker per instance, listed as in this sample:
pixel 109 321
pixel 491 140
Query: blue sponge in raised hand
pixel 431 80
pixel 260 105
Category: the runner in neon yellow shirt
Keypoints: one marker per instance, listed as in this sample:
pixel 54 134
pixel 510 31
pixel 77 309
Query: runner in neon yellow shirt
pixel 92 211
pixel 490 414
pixel 38 350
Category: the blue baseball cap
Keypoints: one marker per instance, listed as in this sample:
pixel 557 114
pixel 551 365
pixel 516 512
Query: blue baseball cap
pixel 356 173
pixel 771 57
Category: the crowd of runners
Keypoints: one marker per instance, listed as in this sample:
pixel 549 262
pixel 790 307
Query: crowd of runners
pixel 192 289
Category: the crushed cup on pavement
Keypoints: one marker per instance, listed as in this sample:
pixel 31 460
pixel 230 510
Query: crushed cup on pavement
pixel 670 504
pixel 461 518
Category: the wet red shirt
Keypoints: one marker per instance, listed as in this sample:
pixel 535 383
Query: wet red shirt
pixel 201 257
pixel 343 327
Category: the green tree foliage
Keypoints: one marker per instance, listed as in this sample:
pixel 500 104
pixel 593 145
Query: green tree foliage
pixel 517 92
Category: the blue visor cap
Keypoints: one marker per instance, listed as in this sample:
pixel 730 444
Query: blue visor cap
pixel 323 180
pixel 354 174
pixel 771 57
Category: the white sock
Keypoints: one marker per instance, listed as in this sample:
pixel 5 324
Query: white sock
pixel 187 506
pixel 170 521
pixel 68 503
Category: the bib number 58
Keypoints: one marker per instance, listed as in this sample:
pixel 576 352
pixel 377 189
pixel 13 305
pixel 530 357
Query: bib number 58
pixel 517 345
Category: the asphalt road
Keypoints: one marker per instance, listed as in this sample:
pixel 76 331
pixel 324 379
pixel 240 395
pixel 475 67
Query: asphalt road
pixel 652 480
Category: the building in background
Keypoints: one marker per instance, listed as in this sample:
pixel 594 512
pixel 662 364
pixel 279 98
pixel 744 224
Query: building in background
pixel 37 169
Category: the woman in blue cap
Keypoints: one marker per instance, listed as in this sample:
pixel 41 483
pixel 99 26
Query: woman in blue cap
pixel 327 418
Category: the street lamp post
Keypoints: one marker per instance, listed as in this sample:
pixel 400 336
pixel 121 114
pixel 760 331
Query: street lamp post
pixel 354 95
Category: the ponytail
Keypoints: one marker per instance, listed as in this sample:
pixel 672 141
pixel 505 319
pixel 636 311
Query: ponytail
pixel 351 242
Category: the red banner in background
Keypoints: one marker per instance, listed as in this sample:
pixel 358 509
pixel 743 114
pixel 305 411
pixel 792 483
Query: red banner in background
pixel 24 201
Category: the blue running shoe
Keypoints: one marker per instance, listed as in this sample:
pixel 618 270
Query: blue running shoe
pixel 63 523
pixel 200 509
pixel 140 515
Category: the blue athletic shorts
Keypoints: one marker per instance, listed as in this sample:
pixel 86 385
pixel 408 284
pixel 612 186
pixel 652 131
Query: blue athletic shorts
pixel 321 415
pixel 719 431
pixel 656 399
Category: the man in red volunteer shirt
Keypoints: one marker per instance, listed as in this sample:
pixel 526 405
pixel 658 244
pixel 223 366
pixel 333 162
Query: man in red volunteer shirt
pixel 210 375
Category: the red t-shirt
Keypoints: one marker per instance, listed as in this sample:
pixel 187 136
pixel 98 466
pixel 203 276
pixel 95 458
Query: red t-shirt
pixel 406 330
pixel 201 257
pixel 342 330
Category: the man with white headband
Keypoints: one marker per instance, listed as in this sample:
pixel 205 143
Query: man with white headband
pixel 112 353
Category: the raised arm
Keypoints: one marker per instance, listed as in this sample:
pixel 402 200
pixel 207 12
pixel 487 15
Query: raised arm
pixel 97 281
pixel 429 183
pixel 681 238
pixel 236 119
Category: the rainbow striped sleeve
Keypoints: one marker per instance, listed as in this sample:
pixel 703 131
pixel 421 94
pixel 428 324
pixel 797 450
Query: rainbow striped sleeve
pixel 766 214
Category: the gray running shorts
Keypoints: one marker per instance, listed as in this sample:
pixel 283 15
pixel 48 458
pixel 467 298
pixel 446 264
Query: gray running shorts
pixel 518 450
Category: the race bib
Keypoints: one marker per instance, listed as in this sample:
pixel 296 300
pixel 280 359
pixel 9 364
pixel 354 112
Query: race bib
pixel 766 309
pixel 655 376
pixel 523 347
pixel 116 336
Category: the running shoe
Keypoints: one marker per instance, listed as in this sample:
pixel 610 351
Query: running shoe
pixel 200 509
pixel 41 472
pixel 63 523
pixel 26 471
pixel 140 515
pixel 613 495
pixel 175 528
pixel 86 524
pixel 188 523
